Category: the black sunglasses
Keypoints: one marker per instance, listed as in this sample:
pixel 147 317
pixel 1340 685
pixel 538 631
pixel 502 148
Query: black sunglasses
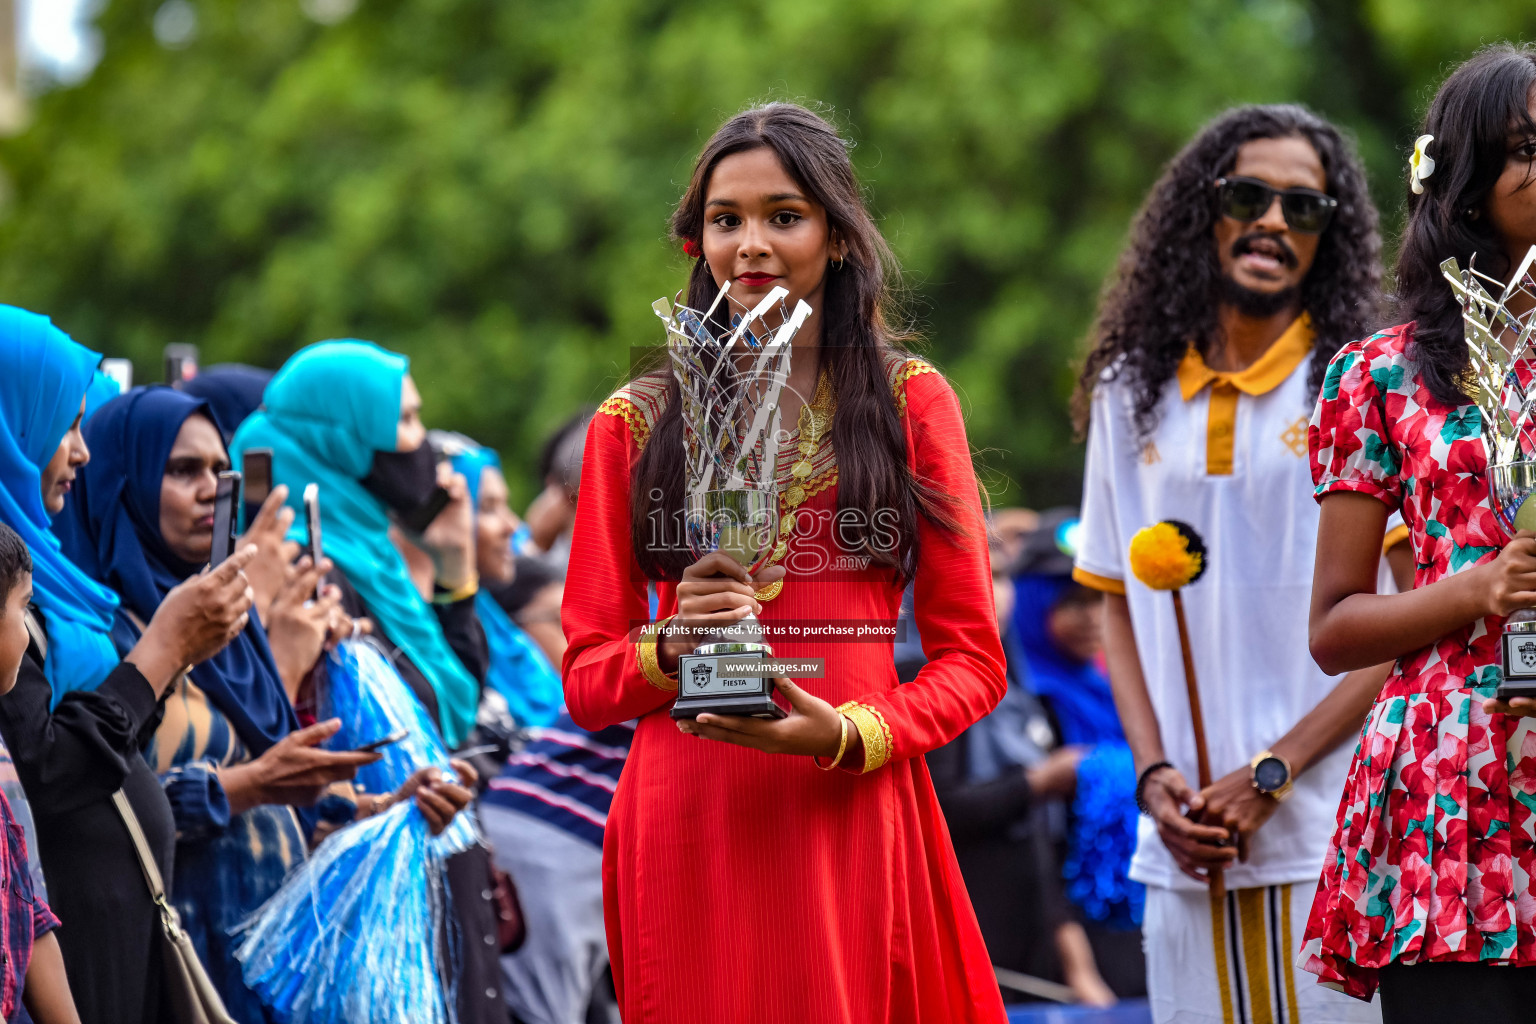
pixel 1247 199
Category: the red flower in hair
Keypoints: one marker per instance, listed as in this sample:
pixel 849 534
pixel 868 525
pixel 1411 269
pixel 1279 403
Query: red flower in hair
pixel 692 248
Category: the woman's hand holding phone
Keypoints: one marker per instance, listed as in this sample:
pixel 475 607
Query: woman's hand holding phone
pixel 268 532
pixel 450 538
pixel 196 620
pixel 298 624
pixel 293 771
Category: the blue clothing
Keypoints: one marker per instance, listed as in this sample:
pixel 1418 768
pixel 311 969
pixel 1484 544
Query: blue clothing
pixel 565 776
pixel 519 671
pixel 327 412
pixel 1104 814
pixel 232 391
pixel 111 529
pixel 1078 692
pixel 102 390
pixel 44 377
pixel 226 865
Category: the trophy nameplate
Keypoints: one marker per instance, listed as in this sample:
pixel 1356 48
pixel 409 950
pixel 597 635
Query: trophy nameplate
pixel 706 685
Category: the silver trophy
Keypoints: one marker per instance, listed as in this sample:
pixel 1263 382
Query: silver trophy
pixel 730 384
pixel 1509 430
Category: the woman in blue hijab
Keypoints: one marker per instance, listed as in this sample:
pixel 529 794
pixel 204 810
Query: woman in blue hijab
pixel 346 416
pixel 78 718
pixel 233 391
pixel 229 750
pixel 519 671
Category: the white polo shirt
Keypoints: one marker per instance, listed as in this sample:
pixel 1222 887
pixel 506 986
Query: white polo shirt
pixel 1229 457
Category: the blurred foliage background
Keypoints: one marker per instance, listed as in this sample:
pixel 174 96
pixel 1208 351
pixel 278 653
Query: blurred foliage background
pixel 485 184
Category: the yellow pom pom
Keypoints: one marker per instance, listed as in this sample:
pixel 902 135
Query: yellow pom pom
pixel 1167 556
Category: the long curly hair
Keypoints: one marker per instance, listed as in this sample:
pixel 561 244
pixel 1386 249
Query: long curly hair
pixel 878 499
pixel 1165 291
pixel 1478 107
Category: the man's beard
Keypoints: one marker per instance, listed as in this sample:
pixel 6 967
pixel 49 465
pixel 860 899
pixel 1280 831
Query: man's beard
pixel 1258 305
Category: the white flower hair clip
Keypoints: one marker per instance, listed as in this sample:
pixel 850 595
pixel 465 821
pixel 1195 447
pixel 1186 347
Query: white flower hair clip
pixel 1421 165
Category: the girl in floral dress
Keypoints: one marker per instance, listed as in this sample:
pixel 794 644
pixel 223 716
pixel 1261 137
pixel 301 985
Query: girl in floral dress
pixel 1427 885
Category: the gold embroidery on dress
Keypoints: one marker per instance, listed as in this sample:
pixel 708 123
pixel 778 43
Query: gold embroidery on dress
pixel 640 404
pixel 873 730
pixel 812 473
pixel 911 368
pixel 650 665
pixel 626 410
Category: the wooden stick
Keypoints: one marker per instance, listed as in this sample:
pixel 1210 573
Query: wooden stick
pixel 1202 758
pixel 1218 882
pixel 1196 719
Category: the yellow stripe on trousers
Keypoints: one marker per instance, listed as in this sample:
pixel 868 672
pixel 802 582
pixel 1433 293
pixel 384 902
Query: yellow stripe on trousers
pixel 1250 914
pixel 1288 952
pixel 1219 939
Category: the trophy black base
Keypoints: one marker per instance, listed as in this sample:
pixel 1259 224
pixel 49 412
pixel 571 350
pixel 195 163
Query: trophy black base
pixel 1518 675
pixel 706 686
pixel 1515 688
pixel 753 706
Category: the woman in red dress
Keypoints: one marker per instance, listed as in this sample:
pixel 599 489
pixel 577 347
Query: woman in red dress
pixel 741 881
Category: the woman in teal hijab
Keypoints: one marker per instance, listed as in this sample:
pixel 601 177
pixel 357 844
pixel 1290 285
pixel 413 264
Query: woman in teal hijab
pixel 346 415
pixel 519 671
pixel 77 718
pixel 335 415
pixel 42 388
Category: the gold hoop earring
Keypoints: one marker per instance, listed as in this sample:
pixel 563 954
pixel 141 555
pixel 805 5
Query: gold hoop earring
pixel 837 264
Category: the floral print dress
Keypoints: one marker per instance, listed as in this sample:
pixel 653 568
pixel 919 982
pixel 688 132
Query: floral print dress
pixel 1433 852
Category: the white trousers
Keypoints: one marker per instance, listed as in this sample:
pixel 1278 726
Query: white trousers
pixel 1249 976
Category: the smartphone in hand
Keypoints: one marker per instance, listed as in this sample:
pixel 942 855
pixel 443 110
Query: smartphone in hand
pixel 382 741
pixel 314 548
pixel 226 497
pixel 256 463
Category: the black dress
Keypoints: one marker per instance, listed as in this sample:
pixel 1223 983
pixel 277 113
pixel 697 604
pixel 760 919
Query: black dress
pixel 469 873
pixel 70 762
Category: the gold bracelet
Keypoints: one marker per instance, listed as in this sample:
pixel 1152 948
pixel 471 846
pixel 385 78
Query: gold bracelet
pixel 873 730
pixel 650 665
pixel 470 588
pixel 842 747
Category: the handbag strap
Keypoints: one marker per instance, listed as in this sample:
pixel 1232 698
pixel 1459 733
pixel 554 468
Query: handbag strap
pixel 141 847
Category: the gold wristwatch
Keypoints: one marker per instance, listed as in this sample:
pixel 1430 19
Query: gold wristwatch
pixel 1270 774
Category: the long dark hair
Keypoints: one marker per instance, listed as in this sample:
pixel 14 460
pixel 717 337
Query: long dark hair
pixel 1471 118
pixel 1164 293
pixel 857 333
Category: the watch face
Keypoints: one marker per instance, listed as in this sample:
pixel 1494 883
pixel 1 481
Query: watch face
pixel 1270 774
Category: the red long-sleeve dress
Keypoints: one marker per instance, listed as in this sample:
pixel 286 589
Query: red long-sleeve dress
pixel 742 886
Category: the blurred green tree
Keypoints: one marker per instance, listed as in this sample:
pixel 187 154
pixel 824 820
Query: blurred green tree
pixel 484 184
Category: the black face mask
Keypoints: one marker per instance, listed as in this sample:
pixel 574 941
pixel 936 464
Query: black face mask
pixel 403 481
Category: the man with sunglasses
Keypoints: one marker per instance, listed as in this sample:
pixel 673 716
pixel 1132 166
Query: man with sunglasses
pixel 1254 260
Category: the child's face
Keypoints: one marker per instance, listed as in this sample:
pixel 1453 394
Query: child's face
pixel 13 631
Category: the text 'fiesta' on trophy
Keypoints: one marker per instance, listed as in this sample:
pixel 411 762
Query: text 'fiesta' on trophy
pixel 1507 407
pixel 730 382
